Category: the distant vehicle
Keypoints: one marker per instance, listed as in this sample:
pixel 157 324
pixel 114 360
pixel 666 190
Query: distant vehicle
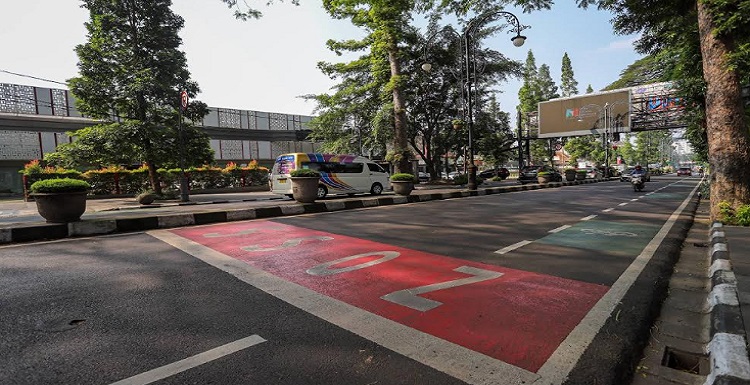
pixel 591 172
pixel 528 174
pixel 423 176
pixel 685 171
pixel 502 172
pixel 339 174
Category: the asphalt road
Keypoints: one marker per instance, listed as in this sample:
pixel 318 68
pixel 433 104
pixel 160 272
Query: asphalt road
pixel 512 288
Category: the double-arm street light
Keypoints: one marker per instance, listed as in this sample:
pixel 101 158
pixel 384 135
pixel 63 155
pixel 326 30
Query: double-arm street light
pixel 469 69
pixel 608 122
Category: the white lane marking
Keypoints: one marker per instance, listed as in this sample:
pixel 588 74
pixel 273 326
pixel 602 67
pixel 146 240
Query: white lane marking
pixel 588 217
pixel 623 204
pixel 641 197
pixel 455 360
pixel 410 297
pixel 634 199
pixel 512 247
pixel 559 229
pixel 559 365
pixel 608 210
pixel 191 362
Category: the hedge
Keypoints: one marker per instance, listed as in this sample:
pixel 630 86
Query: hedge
pixel 117 180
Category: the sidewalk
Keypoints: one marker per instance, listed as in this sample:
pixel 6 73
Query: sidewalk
pixel 20 222
pixel 692 339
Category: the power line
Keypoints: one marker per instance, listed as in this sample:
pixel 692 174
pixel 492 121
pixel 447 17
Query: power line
pixel 32 77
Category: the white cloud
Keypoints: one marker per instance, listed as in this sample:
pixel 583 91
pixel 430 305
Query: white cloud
pixel 621 45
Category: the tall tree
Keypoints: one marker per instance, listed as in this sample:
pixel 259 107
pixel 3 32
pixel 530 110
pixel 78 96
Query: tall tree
pixel 568 83
pixel 547 87
pixel 589 89
pixel 723 37
pixel 386 23
pixel 132 65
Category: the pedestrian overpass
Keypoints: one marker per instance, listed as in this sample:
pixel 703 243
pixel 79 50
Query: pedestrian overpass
pixel 34 121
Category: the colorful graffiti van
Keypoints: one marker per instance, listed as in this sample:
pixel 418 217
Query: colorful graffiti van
pixel 339 174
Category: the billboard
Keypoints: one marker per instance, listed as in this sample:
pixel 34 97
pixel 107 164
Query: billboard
pixel 585 114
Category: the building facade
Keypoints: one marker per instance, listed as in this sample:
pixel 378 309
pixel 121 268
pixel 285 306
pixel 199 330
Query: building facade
pixel 35 120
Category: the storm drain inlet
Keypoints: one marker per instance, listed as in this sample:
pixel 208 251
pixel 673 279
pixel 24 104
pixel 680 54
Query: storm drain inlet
pixel 685 361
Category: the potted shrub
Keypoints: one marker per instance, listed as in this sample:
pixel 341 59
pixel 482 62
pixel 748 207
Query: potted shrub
pixel 570 174
pixel 580 174
pixel 544 177
pixel 147 197
pixel 403 183
pixel 457 124
pixel 304 185
pixel 60 200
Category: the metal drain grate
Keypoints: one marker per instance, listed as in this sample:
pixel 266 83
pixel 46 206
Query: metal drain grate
pixel 686 361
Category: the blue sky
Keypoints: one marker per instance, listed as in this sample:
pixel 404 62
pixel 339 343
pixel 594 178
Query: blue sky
pixel 266 64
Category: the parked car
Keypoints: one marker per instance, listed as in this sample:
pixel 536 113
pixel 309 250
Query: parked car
pixel 685 171
pixel 502 172
pixel 528 174
pixel 423 176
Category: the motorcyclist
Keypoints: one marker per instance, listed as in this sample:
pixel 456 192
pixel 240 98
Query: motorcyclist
pixel 639 171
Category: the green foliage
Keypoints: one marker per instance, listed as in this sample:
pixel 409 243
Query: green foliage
pixel 402 177
pixel 568 83
pixel 304 173
pixel 59 185
pixel 742 215
pixel 461 179
pixel 546 86
pixel 131 64
pixel 730 215
pixel 544 173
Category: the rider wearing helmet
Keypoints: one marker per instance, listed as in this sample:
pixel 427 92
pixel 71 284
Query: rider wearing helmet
pixel 639 170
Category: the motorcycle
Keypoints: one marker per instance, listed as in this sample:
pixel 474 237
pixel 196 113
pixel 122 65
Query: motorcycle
pixel 638 183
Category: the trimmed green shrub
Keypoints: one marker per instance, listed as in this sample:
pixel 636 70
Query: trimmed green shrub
pixel 402 177
pixel 60 185
pixel 304 173
pixel 543 173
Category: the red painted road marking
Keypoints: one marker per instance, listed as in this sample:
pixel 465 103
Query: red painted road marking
pixel 511 315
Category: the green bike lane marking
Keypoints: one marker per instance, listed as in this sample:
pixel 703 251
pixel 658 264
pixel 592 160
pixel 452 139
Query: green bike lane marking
pixel 599 235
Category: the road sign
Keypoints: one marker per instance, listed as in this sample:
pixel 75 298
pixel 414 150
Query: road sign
pixel 183 100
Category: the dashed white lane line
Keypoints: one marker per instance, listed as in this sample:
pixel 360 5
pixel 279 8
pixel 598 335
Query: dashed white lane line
pixel 191 362
pixel 608 210
pixel 588 217
pixel 559 229
pixel 512 247
pixel 623 204
pixel 634 199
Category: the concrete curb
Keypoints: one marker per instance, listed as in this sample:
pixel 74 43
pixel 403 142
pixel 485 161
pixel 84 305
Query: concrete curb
pixel 50 231
pixel 727 349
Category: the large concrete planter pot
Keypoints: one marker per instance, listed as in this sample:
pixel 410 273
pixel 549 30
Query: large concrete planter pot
pixel 402 187
pixel 305 189
pixel 580 175
pixel 61 207
pixel 570 175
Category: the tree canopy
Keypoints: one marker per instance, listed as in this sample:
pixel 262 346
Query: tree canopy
pixel 131 72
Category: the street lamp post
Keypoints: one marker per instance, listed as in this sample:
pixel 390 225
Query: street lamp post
pixel 469 66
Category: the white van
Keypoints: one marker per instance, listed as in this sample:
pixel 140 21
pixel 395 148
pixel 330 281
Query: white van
pixel 339 174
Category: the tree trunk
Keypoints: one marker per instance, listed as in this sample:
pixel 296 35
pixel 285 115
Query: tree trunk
pixel 728 139
pixel 400 140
